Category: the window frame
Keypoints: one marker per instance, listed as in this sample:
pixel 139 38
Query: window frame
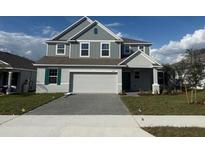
pixel 56 76
pixel 101 49
pixel 84 49
pixel 127 53
pixel 143 48
pixel 64 49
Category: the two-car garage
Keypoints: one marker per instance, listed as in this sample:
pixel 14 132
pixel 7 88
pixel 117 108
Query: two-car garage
pixel 94 82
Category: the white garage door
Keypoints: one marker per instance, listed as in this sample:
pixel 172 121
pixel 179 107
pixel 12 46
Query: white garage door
pixel 94 82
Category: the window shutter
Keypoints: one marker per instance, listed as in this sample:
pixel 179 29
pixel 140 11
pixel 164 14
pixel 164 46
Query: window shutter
pixel 46 76
pixel 59 77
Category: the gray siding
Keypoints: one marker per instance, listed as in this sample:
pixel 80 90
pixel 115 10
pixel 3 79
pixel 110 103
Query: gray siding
pixel 52 50
pixel 75 30
pixel 144 83
pixel 95 50
pixel 102 35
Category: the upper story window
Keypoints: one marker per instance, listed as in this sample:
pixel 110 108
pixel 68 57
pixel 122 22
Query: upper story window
pixel 127 49
pixel 95 31
pixel 84 49
pixel 53 75
pixel 60 49
pixel 142 48
pixel 105 50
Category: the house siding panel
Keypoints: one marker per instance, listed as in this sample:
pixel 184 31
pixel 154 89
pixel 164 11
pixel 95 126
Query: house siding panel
pixel 95 48
pixel 101 35
pixel 75 30
pixel 52 50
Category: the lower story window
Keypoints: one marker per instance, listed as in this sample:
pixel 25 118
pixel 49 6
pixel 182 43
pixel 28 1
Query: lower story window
pixel 53 75
pixel 137 75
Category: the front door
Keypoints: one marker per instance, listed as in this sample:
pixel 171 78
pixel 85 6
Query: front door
pixel 126 81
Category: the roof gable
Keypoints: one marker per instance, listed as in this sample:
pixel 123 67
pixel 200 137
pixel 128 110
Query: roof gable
pixel 72 29
pixel 140 60
pixel 88 33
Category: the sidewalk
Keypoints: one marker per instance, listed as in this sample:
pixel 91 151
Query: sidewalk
pixel 71 125
pixel 172 121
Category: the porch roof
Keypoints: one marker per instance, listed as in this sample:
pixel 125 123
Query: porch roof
pixel 14 61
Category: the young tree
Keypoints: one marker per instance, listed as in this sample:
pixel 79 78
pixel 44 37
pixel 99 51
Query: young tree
pixel 195 71
pixel 181 71
pixel 169 77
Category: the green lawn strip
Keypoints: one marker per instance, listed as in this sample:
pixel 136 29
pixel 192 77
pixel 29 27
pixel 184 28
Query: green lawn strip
pixel 21 103
pixel 164 105
pixel 176 131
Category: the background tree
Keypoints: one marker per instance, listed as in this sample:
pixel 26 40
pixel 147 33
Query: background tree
pixel 181 71
pixel 169 77
pixel 195 71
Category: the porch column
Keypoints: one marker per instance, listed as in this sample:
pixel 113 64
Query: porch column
pixel 155 85
pixel 9 83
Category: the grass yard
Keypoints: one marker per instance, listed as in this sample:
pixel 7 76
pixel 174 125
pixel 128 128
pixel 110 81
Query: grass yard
pixel 164 105
pixel 176 131
pixel 20 103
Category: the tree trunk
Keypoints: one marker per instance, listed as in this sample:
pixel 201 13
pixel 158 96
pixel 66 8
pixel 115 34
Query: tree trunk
pixel 195 99
pixel 191 96
pixel 187 97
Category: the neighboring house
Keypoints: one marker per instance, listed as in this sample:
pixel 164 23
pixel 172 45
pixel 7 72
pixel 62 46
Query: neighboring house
pixel 89 58
pixel 17 74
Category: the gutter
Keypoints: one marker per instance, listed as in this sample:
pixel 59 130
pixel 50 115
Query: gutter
pixel 66 65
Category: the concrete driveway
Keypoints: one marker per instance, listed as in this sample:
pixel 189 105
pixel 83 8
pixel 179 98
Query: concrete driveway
pixel 77 115
pixel 83 104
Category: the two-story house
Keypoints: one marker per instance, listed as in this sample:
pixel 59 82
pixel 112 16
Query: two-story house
pixel 87 57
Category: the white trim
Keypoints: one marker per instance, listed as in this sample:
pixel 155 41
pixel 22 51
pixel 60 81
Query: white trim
pixel 70 50
pixel 56 41
pixel 108 30
pixel 102 26
pixel 150 58
pixel 80 31
pixel 60 54
pixel 18 69
pixel 120 50
pixel 88 49
pixel 56 76
pixel 143 54
pixel 138 43
pixel 101 43
pixel 72 26
pixel 128 57
pixel 4 62
pixel 64 65
pixel 93 71
pixel 95 40
pixel 140 49
pixel 46 49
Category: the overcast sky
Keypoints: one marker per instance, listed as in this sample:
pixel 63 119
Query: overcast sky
pixel 170 36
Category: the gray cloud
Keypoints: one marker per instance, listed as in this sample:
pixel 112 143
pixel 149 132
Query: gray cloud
pixel 32 47
pixel 174 51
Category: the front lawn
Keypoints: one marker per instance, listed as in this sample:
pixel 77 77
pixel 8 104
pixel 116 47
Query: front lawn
pixel 20 103
pixel 176 131
pixel 164 105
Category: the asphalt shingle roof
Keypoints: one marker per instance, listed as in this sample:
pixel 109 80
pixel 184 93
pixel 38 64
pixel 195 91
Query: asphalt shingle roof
pixel 82 61
pixel 128 40
pixel 16 61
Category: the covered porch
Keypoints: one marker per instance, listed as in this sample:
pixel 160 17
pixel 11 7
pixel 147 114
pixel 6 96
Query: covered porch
pixel 140 73
pixel 9 81
pixel 140 79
